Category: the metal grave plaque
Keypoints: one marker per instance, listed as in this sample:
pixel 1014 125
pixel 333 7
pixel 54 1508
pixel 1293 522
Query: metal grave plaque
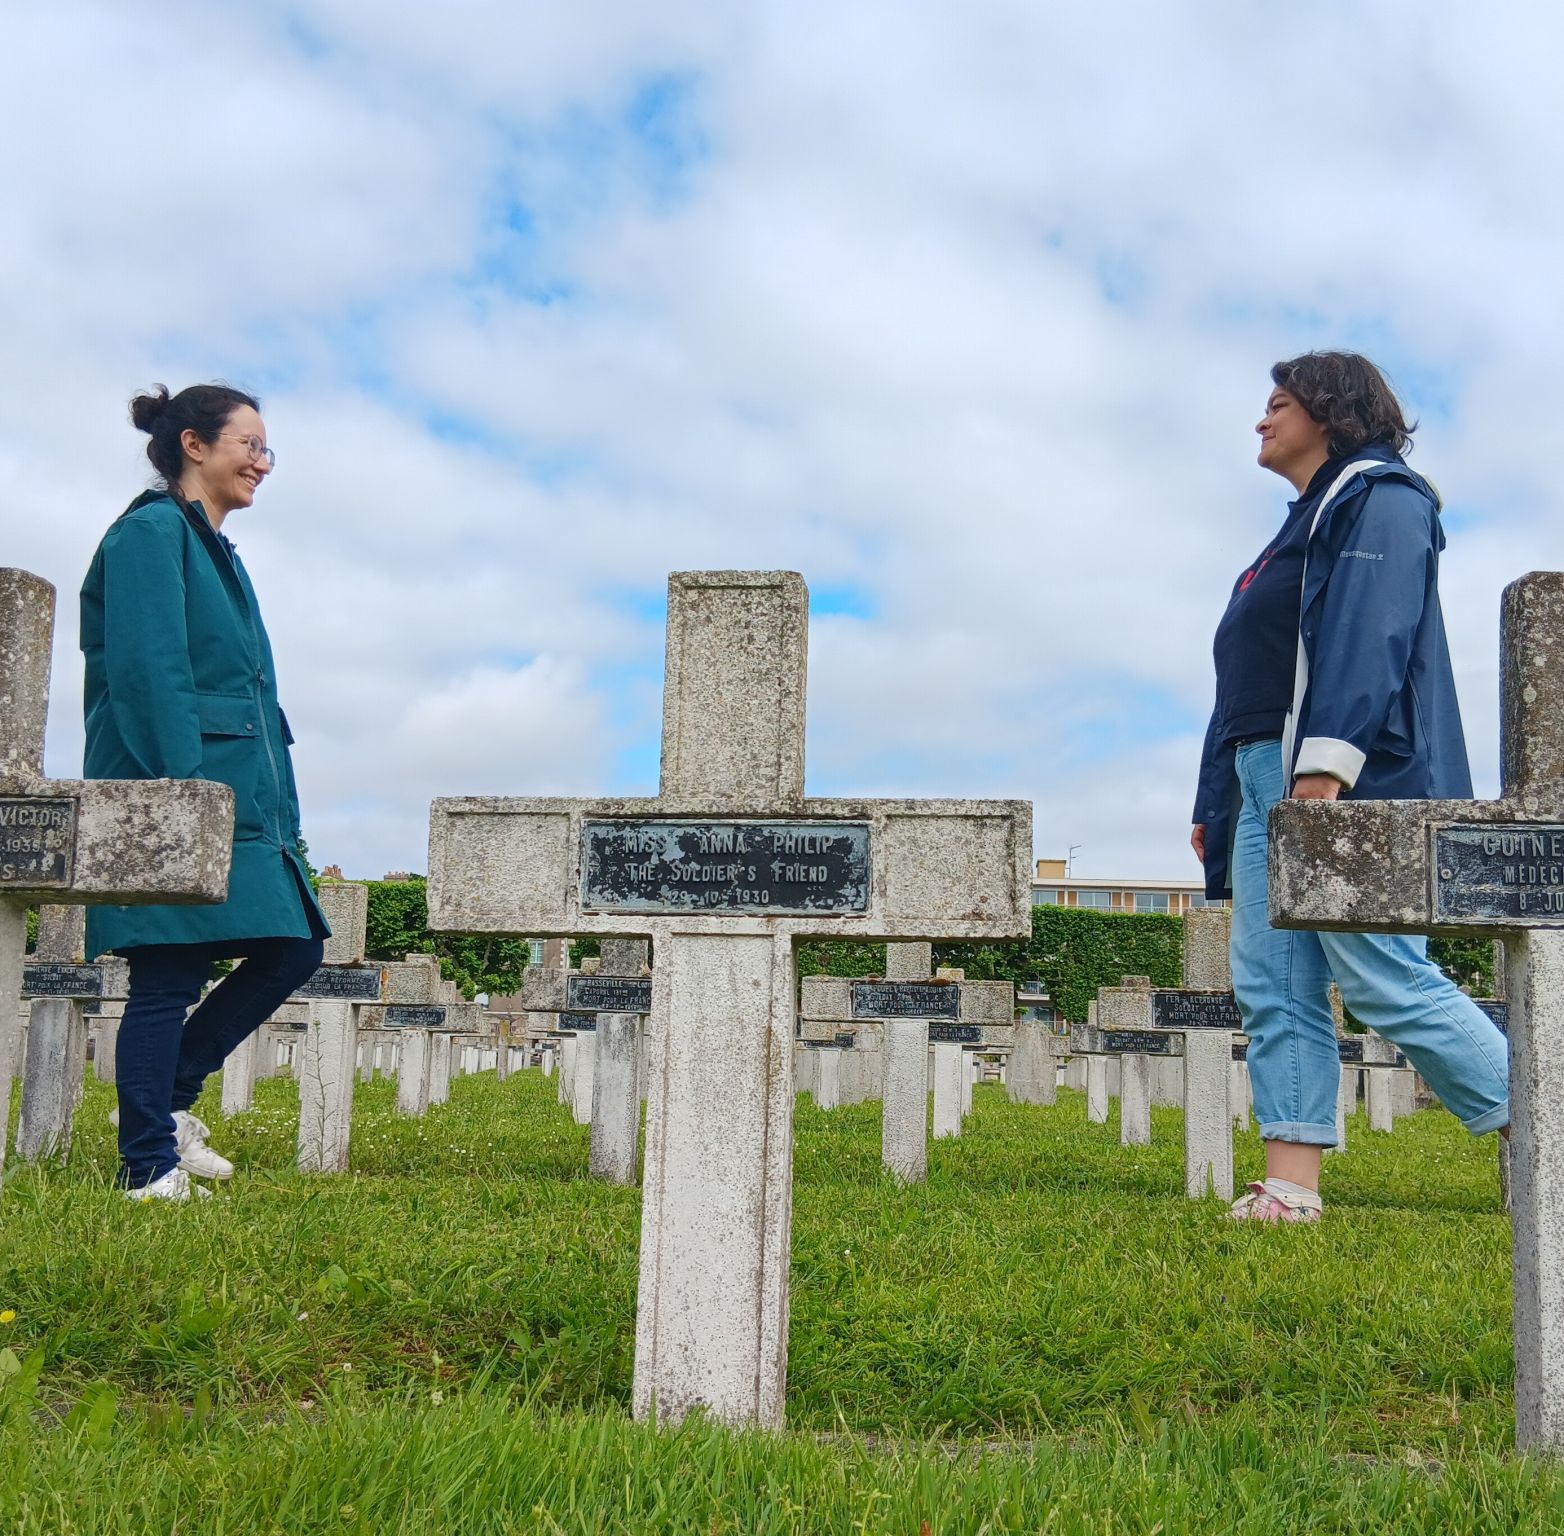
pixel 782 868
pixel 847 1042
pixel 1178 1009
pixel 1240 1050
pixel 955 1034
pixel 1136 1042
pixel 578 1023
pixel 1509 875
pixel 1496 1010
pixel 342 984
pixel 609 994
pixel 410 1016
pixel 46 980
pixel 37 841
pixel 1350 1048
pixel 906 999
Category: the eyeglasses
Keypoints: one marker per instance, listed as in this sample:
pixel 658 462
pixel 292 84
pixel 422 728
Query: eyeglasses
pixel 258 450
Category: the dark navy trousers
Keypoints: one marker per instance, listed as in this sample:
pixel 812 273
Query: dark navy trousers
pixel 162 1058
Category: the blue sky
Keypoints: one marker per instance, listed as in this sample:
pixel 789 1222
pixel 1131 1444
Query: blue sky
pixel 964 312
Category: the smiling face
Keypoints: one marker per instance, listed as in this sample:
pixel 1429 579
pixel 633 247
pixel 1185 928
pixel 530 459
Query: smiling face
pixel 225 474
pixel 1292 443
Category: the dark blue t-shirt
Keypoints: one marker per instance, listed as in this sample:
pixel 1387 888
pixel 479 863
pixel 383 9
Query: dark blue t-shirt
pixel 1256 645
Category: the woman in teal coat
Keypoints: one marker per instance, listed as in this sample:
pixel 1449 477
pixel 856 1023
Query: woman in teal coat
pixel 180 684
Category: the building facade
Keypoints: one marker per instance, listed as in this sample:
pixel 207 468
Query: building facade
pixel 1053 887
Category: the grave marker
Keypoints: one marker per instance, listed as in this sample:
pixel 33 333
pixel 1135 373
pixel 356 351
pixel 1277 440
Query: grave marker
pixel 80 841
pixel 724 871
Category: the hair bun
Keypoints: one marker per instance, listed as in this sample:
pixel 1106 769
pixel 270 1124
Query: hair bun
pixel 146 408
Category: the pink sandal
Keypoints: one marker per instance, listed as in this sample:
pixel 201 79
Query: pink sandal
pixel 1261 1205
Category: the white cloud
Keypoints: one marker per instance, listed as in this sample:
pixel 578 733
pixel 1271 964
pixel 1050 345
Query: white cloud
pixel 966 308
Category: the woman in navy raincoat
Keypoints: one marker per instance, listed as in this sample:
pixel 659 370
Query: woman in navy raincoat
pixel 1334 681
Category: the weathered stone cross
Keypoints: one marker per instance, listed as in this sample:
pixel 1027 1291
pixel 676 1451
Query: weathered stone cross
pixel 1479 867
pixel 724 871
pixel 77 842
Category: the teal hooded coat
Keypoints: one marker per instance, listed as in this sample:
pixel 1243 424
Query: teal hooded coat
pixel 180 685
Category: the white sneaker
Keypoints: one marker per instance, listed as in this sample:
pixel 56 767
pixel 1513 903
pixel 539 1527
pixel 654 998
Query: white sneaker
pixel 174 1185
pixel 194 1155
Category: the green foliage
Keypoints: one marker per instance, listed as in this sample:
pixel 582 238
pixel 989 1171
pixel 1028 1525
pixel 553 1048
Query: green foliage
pixel 398 925
pixel 32 929
pixel 840 957
pixel 304 855
pixel 1074 950
pixel 1467 962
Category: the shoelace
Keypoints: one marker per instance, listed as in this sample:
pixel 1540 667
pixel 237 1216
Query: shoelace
pixel 195 1130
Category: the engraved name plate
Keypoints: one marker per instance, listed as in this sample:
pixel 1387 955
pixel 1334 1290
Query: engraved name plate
pixel 609 994
pixel 578 1023
pixel 847 1042
pixel 409 1016
pixel 1496 1010
pixel 1136 1042
pixel 906 999
pixel 955 1034
pixel 46 980
pixel 1507 875
pixel 773 868
pixel 342 984
pixel 37 841
pixel 1195 1010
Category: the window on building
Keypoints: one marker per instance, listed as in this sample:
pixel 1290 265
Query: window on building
pixel 1151 901
pixel 1099 899
pixel 534 951
pixel 1045 898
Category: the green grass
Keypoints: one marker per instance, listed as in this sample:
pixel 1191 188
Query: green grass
pixel 1044 1332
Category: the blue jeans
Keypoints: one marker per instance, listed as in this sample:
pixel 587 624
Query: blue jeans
pixel 1281 979
pixel 162 1059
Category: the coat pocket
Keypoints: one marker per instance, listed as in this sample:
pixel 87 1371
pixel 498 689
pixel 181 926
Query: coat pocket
pixel 231 750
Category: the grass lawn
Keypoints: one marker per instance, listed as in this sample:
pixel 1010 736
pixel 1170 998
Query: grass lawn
pixel 1045 1336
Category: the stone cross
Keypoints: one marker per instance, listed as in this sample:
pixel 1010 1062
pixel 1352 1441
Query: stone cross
pixel 77 842
pixel 724 871
pixel 1480 867
pixel 606 1061
pixel 912 1012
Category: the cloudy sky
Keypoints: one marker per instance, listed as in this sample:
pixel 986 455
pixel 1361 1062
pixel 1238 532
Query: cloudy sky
pixel 964 311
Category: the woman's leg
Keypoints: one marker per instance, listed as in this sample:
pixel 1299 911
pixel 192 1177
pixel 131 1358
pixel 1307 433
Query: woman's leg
pixel 165 979
pixel 1391 985
pixel 1282 985
pixel 238 1005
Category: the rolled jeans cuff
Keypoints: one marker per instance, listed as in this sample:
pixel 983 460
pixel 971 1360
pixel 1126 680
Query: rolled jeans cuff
pixel 1494 1119
pixel 1299 1131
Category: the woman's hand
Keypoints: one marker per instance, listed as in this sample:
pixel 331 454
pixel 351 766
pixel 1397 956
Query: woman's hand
pixel 1197 840
pixel 1315 786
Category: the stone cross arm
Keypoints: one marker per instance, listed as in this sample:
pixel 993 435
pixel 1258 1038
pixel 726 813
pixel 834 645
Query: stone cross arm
pixel 875 869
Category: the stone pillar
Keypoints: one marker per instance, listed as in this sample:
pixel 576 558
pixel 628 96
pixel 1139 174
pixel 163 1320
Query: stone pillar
pixel 1238 1095
pixel 1208 1132
pixel 567 1069
pixel 1402 1092
pixel 969 1069
pixel 904 1113
pixel 412 1074
pixel 951 1081
pixel 13 939
pixel 1031 1078
pixel 547 1064
pixel 239 1074
pixel 56 1061
pixel 1346 1097
pixel 1167 1081
pixel 105 1047
pixel 1096 1090
pixel 441 1050
pixel 1378 1095
pixel 616 1100
pixel 326 1088
pixel 828 1077
pixel 584 1079
pixel 1535 978
pixel 717 1212
pixel 1135 1101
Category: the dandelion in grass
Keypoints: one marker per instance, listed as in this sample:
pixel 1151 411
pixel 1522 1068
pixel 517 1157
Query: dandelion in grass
pixel 437 1396
pixel 8 1316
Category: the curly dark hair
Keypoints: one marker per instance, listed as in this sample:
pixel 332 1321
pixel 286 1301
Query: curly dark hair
pixel 1347 394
